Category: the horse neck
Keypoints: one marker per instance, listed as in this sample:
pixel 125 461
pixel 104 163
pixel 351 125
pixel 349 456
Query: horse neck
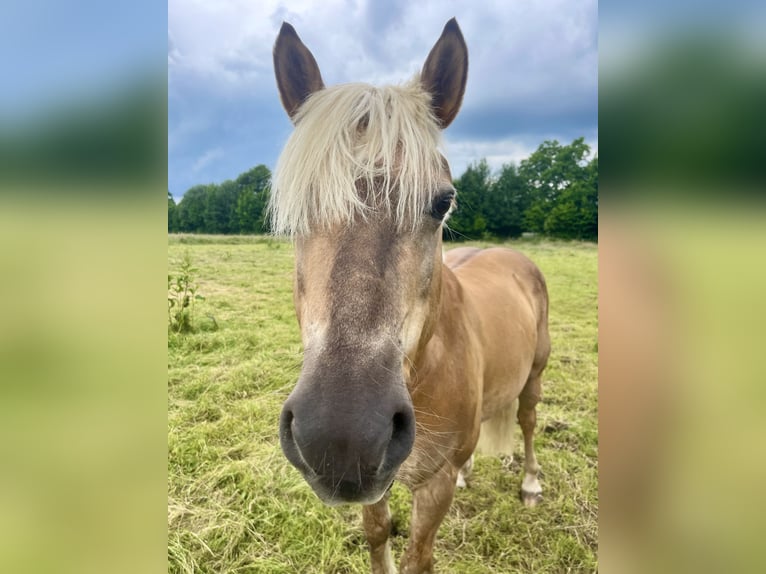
pixel 448 315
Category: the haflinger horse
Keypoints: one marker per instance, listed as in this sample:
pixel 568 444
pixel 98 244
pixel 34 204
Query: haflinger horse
pixel 408 353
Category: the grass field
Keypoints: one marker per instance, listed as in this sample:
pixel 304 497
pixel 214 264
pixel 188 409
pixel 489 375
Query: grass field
pixel 236 505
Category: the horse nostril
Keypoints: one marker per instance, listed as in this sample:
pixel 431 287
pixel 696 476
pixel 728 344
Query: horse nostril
pixel 400 425
pixel 402 435
pixel 402 438
pixel 286 424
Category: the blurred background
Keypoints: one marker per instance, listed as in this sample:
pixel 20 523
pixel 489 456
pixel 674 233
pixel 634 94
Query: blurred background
pixel 82 258
pixel 681 282
pixel 83 183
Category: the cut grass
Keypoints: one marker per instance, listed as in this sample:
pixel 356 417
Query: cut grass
pixel 236 505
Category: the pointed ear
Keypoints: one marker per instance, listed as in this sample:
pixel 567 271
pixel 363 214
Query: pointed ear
pixel 445 73
pixel 296 69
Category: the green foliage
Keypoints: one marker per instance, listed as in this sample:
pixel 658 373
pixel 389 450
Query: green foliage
pixel 94 136
pixel 219 208
pixel 234 206
pixel 554 192
pixel 712 132
pixel 507 200
pixel 191 209
pixel 182 294
pixel 575 216
pixel 470 219
pixel 563 194
pixel 534 217
pixel 253 198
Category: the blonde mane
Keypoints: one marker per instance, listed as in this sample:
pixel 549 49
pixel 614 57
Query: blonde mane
pixel 383 141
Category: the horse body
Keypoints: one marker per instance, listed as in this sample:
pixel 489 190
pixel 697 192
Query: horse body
pixel 490 332
pixel 409 355
pixel 489 345
pixel 509 298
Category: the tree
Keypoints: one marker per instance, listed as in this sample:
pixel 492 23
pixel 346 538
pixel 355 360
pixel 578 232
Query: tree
pixel 172 214
pixel 554 191
pixel 470 218
pixel 191 209
pixel 254 188
pixel 575 215
pixel 220 208
pixel 257 179
pixel 547 173
pixel 590 202
pixel 234 206
pixel 565 218
pixel 507 200
pixel 251 211
pixel 246 211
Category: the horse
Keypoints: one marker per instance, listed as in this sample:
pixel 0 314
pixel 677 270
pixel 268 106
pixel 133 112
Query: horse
pixel 409 353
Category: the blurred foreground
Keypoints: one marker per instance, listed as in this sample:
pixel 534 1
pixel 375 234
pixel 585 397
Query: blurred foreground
pixel 682 245
pixel 82 311
pixel 681 396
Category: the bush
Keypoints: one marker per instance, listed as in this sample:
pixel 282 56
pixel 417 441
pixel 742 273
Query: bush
pixel 182 293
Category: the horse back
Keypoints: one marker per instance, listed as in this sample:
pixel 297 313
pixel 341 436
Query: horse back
pixel 508 305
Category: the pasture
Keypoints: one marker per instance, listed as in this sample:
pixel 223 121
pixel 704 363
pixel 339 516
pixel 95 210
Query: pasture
pixel 236 505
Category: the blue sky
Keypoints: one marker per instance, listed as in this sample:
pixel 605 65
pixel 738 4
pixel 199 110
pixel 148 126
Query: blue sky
pixel 533 74
pixel 53 52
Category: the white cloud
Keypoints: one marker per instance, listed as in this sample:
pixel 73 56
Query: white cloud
pixel 516 48
pixel 497 153
pixel 532 71
pixel 228 41
pixel 206 158
pixel 174 55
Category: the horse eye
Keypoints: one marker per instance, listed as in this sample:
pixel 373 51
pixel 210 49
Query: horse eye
pixel 442 204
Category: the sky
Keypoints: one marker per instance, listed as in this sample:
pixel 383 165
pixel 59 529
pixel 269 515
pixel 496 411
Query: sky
pixel 533 74
pixel 54 52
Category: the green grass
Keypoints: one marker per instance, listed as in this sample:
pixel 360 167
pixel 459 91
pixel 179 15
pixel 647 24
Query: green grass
pixel 236 505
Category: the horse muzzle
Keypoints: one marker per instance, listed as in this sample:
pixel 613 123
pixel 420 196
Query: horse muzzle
pixel 347 442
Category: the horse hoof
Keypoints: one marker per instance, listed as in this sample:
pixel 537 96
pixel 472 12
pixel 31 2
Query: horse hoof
pixel 531 499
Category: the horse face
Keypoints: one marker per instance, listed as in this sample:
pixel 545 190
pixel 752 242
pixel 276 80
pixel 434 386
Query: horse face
pixel 367 289
pixel 366 297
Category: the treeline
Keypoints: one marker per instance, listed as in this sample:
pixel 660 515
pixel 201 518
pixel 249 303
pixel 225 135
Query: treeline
pixel 554 192
pixel 234 206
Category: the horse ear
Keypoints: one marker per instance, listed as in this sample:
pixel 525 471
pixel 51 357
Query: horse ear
pixel 445 73
pixel 296 70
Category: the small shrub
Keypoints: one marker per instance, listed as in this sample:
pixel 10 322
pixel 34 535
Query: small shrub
pixel 182 293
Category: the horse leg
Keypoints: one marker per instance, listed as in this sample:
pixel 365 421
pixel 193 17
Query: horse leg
pixel 376 519
pixel 531 491
pixel 465 472
pixel 430 503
